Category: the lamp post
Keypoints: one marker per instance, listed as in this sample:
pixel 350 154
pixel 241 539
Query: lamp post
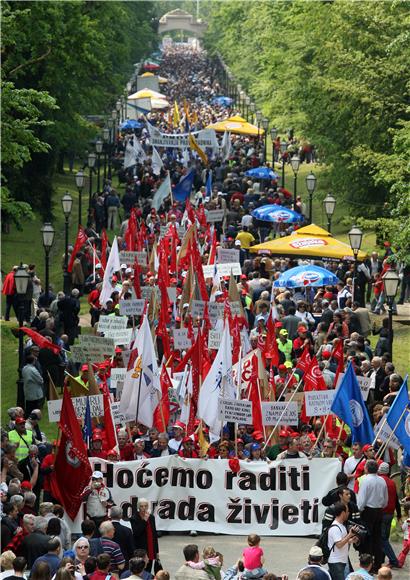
pixel 47 231
pixel 247 103
pixel 391 283
pixel 355 239
pixel 295 163
pixel 118 107
pixel 283 149
pixel 91 162
pixel 67 204
pixel 238 96
pixel 311 186
pixel 273 134
pixel 242 100
pixel 98 147
pixel 21 278
pixel 110 124
pixel 79 181
pixel 265 126
pixel 114 130
pixel 258 116
pixel 106 138
pixel 329 203
pixel 252 108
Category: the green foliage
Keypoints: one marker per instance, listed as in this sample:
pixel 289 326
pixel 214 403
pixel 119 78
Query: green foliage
pixel 336 72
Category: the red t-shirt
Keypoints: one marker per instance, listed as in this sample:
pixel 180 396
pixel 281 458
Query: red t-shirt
pixel 252 557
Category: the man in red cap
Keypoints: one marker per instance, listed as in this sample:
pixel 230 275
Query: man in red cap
pixel 21 437
pixel 275 450
pixel 96 446
pixel 179 431
pixel 368 453
pixel 187 450
pixel 83 376
pixel 292 452
pixel 47 471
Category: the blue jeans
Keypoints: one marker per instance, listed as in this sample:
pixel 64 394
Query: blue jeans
pixel 337 570
pixel 387 548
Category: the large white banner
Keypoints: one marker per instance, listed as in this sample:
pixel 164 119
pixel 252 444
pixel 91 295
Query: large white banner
pixel 281 498
pixel 204 138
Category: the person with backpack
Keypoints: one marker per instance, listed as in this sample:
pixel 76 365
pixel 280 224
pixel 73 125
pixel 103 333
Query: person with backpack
pixel 338 543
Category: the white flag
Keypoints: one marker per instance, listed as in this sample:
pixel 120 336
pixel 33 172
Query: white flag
pixel 142 391
pixel 139 151
pixel 226 146
pixel 113 265
pixel 162 193
pixel 129 156
pixel 185 397
pixel 217 384
pixel 157 164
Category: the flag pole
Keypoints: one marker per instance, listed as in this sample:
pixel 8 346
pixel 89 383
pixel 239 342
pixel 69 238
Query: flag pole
pixel 286 386
pixel 320 432
pixel 386 444
pixel 260 404
pixel 282 414
pixel 338 436
pixel 379 430
pixel 139 395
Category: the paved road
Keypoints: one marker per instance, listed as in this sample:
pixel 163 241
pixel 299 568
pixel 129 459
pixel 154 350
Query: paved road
pixel 283 555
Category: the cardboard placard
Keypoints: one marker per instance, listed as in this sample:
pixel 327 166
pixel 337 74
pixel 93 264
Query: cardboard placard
pixel 123 337
pixel 271 413
pixel 197 308
pixel 364 384
pixel 77 355
pixel 80 404
pixel 214 339
pixel 235 308
pixel 107 323
pixel 216 311
pixel 117 380
pixel 120 418
pixel 215 215
pixel 96 348
pixel 181 340
pixel 133 307
pixel 235 411
pixel 130 257
pixel 318 403
pixel 227 256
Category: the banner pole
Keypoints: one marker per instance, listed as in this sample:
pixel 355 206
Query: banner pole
pixel 379 430
pixel 320 432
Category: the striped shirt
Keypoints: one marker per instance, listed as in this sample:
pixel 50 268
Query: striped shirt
pixel 114 551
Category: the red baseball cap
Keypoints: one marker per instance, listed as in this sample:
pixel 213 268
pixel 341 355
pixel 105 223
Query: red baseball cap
pixel 20 421
pixel 26 485
pixel 302 329
pixel 367 447
pixel 84 368
pixel 179 425
pixel 258 436
pixel 278 325
pixel 283 433
pixel 326 354
pixel 282 368
pixel 97 437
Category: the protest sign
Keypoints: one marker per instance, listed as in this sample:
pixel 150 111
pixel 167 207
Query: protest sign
pixel 130 257
pixel 383 432
pixel 215 215
pixel 318 403
pixel 197 308
pixel 79 403
pixel 133 307
pixel 77 355
pixel 96 348
pixel 235 411
pixel 117 381
pixel 364 384
pixel 123 337
pixel 275 499
pixel 271 413
pixel 227 256
pixel 181 340
pixel 222 269
pixel 107 323
pixel 120 418
pixel 235 308
pixel 214 339
pixel 216 311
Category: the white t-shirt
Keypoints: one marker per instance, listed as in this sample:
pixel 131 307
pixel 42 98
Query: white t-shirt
pixel 335 534
pixel 350 466
pixel 174 444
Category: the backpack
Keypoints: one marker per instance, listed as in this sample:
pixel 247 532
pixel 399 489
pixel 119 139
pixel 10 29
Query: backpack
pixel 323 543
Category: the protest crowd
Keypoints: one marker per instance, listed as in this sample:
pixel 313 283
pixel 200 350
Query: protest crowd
pixel 196 355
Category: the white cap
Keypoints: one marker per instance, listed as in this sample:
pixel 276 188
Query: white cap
pixel 238 243
pixel 98 266
pixel 218 293
pixel 186 305
pixel 123 266
pixel 316 552
pixel 97 475
pixel 128 271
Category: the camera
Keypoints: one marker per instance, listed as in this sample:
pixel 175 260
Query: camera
pixel 358 530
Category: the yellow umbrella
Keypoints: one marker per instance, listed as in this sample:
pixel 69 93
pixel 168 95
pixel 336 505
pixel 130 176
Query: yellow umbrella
pixel 162 80
pixel 311 242
pixel 146 94
pixel 148 74
pixel 236 125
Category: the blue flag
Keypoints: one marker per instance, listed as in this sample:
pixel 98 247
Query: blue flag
pixel 208 185
pixel 398 416
pixel 182 190
pixel 349 406
pixel 88 427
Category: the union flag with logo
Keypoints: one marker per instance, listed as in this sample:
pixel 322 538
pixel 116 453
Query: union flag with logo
pixel 72 468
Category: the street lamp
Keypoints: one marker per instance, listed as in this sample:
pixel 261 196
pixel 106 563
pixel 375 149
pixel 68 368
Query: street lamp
pixel 106 139
pixel 79 181
pixel 110 124
pixel 391 283
pixel 311 186
pixel 247 103
pixel 21 278
pixel 273 135
pixel 329 203
pixel 91 162
pixel 67 204
pixel 283 149
pixel 48 232
pixel 265 125
pixel 98 147
pixel 295 164
pixel 355 239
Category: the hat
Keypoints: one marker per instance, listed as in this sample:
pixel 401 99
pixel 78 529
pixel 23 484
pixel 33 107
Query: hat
pixel 255 446
pixel 302 328
pixel 26 485
pixel 316 552
pixel 238 243
pixel 97 437
pixel 118 350
pixel 283 433
pixel 244 277
pixel 20 421
pixel 367 447
pixel 384 468
pixel 84 368
pixel 258 436
pixel 112 452
pixel 283 332
pixel 128 271
pixel 179 425
pixel 187 440
pixel 326 354
pixel 281 368
pixel 98 266
pixel 97 475
pixel 288 364
pixel 123 266
pixel 33 417
pixel 278 325
pixel 240 441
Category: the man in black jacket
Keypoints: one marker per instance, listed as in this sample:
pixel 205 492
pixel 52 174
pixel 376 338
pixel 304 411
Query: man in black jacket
pixel 123 534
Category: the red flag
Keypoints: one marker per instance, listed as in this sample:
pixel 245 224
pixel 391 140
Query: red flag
pixel 254 396
pixel 109 427
pixel 212 251
pixel 80 241
pixel 337 354
pixel 196 357
pixel 304 360
pixel 271 346
pixel 131 231
pixel 200 214
pixel 161 419
pixel 41 341
pixel 104 245
pixel 72 467
pixel 313 381
pixel 136 281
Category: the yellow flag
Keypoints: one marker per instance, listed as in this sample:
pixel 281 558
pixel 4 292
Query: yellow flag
pixel 177 118
pixel 77 389
pixel 202 442
pixel 52 391
pixel 194 118
pixel 195 147
pixel 186 110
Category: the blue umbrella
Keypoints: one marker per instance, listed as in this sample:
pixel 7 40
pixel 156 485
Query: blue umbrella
pixel 222 101
pixel 261 173
pixel 276 214
pixel 131 124
pixel 306 276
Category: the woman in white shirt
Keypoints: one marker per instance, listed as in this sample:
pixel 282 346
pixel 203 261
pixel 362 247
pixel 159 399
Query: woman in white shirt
pixel 305 316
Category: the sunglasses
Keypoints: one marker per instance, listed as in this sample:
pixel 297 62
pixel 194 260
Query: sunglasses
pixel 82 547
